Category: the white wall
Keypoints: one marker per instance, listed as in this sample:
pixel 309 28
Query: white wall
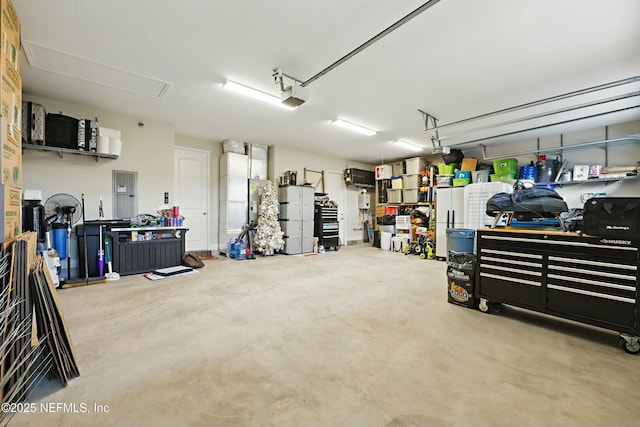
pixel 147 150
pixel 286 158
pixel 618 155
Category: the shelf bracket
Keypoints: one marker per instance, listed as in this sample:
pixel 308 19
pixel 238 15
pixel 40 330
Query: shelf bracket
pixel 426 117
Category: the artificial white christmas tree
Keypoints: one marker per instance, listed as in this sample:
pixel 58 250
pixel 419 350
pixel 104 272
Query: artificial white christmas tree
pixel 268 235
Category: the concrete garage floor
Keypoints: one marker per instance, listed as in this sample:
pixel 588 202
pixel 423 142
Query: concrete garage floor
pixel 359 337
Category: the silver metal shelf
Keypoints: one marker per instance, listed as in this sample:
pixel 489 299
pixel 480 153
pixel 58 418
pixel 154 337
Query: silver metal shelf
pixel 61 151
pixel 593 180
pixel 580 146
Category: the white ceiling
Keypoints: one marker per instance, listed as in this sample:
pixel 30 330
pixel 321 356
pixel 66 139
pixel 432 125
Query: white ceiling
pixel 457 59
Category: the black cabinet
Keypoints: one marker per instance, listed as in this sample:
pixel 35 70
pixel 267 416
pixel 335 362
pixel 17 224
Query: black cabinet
pixel 581 278
pixel 144 249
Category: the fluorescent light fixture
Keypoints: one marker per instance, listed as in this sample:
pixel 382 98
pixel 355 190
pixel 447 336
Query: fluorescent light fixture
pixel 255 94
pixel 406 144
pixel 354 127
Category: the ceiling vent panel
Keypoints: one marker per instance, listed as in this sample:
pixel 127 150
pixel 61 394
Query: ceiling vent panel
pixel 55 61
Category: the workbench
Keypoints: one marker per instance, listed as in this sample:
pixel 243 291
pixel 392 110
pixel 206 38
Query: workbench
pixel 586 279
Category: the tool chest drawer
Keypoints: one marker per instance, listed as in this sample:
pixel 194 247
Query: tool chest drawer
pixel 582 278
pixel 514 275
pixel 591 288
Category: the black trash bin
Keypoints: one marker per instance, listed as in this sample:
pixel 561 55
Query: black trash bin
pixel 93 244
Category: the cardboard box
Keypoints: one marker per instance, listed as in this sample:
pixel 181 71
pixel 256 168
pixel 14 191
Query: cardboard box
pixel 11 101
pixel 10 96
pixel 11 159
pixel 10 122
pixel 10 226
pixel 383 172
pixel 10 39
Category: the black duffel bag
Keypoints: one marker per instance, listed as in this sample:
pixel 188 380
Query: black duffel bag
pixel 612 217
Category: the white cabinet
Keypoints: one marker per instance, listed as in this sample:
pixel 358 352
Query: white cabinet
pixel 449 214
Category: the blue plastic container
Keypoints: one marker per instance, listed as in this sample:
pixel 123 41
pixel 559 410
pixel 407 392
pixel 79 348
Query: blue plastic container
pixel 528 173
pixel 463 174
pixel 237 250
pixel 60 239
pixel 460 239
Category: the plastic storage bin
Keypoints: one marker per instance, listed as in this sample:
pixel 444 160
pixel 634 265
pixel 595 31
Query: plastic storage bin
pixel 394 196
pixel 506 167
pixel 460 239
pixel 463 174
pixel 410 195
pixel 403 223
pixel 397 168
pixel 414 165
pixel 396 182
pixel 412 181
pixel 447 169
pixel 480 176
pixel 444 180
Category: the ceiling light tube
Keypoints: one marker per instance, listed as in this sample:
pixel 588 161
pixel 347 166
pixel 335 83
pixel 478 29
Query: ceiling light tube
pixel 353 127
pixel 406 144
pixel 255 94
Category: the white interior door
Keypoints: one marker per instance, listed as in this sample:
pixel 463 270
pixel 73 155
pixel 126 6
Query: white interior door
pixel 337 189
pixel 192 189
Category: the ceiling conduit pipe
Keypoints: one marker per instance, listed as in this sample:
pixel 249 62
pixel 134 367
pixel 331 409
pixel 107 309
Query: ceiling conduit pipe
pixel 541 115
pixel 543 101
pixel 371 41
pixel 543 126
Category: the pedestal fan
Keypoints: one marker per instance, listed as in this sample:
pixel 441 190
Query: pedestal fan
pixel 63 208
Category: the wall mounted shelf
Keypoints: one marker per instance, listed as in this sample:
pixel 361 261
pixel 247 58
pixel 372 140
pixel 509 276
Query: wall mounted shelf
pixel 580 146
pixel 595 180
pixel 61 151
